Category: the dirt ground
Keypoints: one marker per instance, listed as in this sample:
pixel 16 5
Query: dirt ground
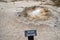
pixel 13 29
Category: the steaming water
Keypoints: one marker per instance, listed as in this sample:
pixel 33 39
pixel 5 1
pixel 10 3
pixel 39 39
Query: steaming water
pixel 35 12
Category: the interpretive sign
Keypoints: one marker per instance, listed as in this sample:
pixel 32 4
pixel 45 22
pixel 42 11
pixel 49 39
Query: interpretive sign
pixel 30 33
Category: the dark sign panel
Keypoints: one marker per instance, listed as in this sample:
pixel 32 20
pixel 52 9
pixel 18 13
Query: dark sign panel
pixel 30 33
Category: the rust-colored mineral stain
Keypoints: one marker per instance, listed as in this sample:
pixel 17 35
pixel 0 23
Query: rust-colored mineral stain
pixel 37 13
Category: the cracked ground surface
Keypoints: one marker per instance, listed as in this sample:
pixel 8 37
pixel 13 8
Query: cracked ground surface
pixel 11 29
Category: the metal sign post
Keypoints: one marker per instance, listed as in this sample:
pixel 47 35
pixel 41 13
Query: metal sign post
pixel 30 37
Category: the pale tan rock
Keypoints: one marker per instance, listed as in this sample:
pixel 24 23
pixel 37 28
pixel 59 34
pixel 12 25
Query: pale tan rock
pixel 11 29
